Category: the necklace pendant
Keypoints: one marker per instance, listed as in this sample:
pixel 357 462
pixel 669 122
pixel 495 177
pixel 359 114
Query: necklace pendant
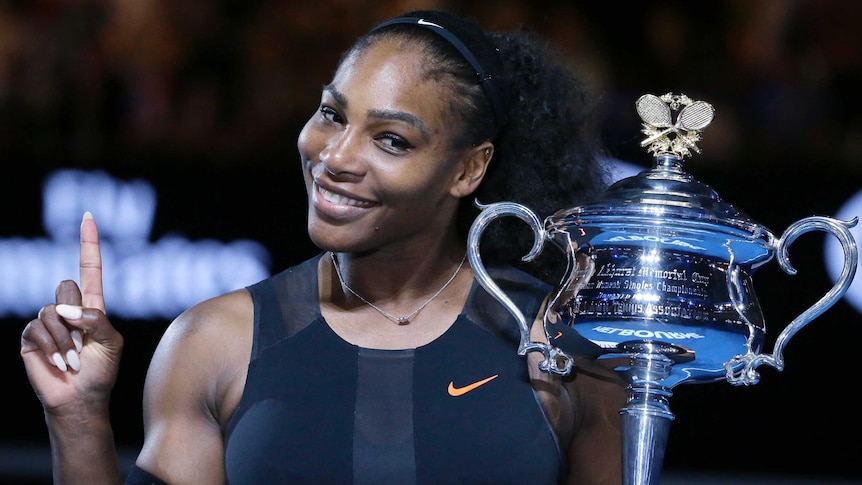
pixel 403 320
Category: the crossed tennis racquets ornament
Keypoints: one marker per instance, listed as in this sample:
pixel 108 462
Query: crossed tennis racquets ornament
pixel 657 115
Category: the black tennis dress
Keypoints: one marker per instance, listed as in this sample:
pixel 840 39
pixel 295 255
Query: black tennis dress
pixel 319 410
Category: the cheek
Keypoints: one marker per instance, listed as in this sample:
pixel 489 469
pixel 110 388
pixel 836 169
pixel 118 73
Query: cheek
pixel 428 194
pixel 309 142
pixel 302 141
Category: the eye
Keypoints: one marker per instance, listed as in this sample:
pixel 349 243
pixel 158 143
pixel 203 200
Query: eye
pixel 394 142
pixel 331 115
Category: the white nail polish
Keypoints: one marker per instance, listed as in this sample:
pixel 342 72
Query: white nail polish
pixel 72 312
pixel 74 361
pixel 78 338
pixel 58 361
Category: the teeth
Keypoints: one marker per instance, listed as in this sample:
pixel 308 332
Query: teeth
pixel 341 200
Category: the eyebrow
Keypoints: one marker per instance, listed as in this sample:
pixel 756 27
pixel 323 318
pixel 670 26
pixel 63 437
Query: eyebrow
pixel 335 93
pixel 383 114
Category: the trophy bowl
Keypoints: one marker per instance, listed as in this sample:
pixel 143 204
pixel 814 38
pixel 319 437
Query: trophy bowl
pixel 659 272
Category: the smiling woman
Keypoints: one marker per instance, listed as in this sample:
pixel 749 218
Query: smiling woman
pixel 381 359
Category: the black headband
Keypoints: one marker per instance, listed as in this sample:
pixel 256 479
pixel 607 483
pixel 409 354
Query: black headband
pixel 486 80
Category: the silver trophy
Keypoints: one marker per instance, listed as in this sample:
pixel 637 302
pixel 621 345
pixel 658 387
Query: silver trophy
pixel 660 273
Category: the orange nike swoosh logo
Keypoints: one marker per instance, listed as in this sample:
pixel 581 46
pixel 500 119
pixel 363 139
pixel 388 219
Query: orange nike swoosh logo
pixel 458 391
pixel 559 334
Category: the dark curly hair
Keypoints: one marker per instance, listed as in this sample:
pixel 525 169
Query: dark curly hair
pixel 547 154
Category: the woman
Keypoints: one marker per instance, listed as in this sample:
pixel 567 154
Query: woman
pixel 380 360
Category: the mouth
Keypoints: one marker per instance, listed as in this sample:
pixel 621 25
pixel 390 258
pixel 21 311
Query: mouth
pixel 341 200
pixel 334 206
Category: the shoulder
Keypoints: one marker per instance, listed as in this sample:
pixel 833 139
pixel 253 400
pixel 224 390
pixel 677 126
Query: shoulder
pixel 218 320
pixel 205 352
pixel 526 290
pixel 214 337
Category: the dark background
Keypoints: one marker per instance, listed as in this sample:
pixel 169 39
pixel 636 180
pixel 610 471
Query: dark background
pixel 204 99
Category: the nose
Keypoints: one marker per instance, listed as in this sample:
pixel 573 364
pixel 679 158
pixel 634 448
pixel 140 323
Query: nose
pixel 340 154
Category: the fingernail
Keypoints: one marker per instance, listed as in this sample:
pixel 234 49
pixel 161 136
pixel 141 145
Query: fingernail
pixel 72 312
pixel 74 361
pixel 58 361
pixel 78 338
pixel 87 215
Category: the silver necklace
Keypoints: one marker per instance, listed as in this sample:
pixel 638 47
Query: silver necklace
pixel 398 320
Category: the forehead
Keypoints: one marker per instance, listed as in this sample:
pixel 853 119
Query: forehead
pixel 390 74
pixel 392 48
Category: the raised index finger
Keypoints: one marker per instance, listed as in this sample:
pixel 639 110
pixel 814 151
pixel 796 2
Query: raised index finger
pixel 91 265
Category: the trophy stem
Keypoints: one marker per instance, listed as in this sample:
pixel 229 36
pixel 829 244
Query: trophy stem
pixel 647 415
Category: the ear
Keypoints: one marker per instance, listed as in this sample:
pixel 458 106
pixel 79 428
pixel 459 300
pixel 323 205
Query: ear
pixel 472 169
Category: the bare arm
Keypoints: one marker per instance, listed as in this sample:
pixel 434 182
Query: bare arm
pixel 584 409
pixel 595 452
pixel 194 383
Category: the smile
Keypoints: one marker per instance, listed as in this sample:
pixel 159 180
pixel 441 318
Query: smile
pixel 337 199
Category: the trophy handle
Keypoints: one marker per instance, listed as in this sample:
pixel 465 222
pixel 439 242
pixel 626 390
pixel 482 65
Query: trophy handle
pixel 556 361
pixel 841 229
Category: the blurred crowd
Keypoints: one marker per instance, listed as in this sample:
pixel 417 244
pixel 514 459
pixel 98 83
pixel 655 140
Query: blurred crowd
pixel 87 83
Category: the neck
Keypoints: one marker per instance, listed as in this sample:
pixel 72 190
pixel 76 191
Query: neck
pixel 398 288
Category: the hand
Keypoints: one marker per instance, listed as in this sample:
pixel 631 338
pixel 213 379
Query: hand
pixel 71 351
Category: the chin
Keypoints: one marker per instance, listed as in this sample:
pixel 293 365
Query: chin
pixel 326 236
